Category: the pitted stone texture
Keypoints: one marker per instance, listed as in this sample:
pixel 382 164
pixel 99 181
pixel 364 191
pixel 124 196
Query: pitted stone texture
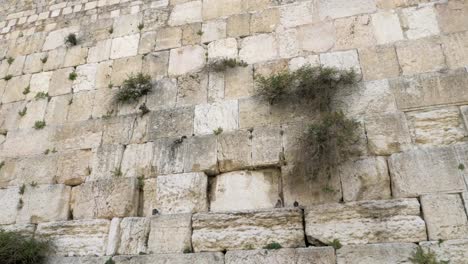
pixel 60 83
pixel 126 25
pixel 100 52
pixel 454 251
pixel 234 150
pixel 27 142
pixel 9 198
pixel 149 197
pixel 311 255
pixel 105 199
pixel 372 69
pixel 23 229
pixel 445 216
pixel 456 49
pixel 106 160
pixel 390 253
pixel 133 237
pixel 39 83
pixel 420 22
pixel 343 60
pixel 86 77
pixel 267 149
pixel 225 48
pixel 297 14
pixel 354 32
pixel 77 238
pixel 44 203
pixel 168 38
pixel 185 13
pixel 453 16
pixel 366 222
pixel 323 33
pixel 200 154
pixel 423 171
pixel 205 258
pixel 209 117
pixel 186 59
pixel 249 229
pixel 343 8
pixel 220 8
pixel 365 179
pixel 182 193
pixel 258 48
pixel 265 21
pixel 14 88
pixel 76 260
pixel 136 160
pixel 170 234
pixel 420 56
pixel 245 190
pixel 213 30
pixel 176 122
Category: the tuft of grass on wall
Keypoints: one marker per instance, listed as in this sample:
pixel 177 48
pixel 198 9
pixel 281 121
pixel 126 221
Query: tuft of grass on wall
pixel 16 248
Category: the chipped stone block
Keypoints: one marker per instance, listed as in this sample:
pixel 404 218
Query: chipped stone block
pixel 182 193
pixel 27 142
pixel 168 38
pixel 258 48
pixel 75 56
pixel 186 13
pixel 81 108
pixel 419 22
pixel 55 59
pixel 265 21
pixel 35 110
pixel 238 25
pixel 452 16
pixel 60 83
pixel 14 89
pixel 342 8
pixel 126 25
pixel 209 117
pixel 453 251
pixel 387 28
pixel 73 167
pixel 319 37
pixel 366 222
pixel 123 129
pixel 245 190
pixel 169 155
pixel 239 83
pixel 354 32
pixel 147 42
pixel 126 46
pixel 455 49
pixel 225 48
pixel 100 52
pixel 266 146
pixel 16 68
pixel 344 60
pixel 414 172
pixel 420 56
pixel 436 127
pixel 191 34
pixel 156 64
pixel 373 69
pixel 133 238
pixel 234 231
pixel 106 160
pixel 234 150
pixel 44 203
pixel 200 155
pixel 192 89
pixel 75 260
pixel 23 229
pixel 9 198
pixel 205 258
pixel 314 255
pixel 81 135
pixel 389 253
pixel 171 123
pixel 213 30
pixel 39 83
pixel 436 208
pixel 76 238
pixel 170 234
pixel 365 179
pixel 136 160
pixel 105 199
pixel 149 196
pixel 164 95
pixel 186 59
pixel 387 133
pixel 33 63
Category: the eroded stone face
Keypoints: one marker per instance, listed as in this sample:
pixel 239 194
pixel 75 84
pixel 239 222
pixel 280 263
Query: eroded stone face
pixel 322 255
pixel 454 251
pixel 208 258
pixel 9 198
pixel 170 234
pixel 133 236
pixel 388 253
pixel 246 230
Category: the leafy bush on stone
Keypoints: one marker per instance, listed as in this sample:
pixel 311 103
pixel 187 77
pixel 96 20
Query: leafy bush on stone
pixel 71 40
pixel 16 248
pixel 133 88
pixel 220 65
pixel 422 257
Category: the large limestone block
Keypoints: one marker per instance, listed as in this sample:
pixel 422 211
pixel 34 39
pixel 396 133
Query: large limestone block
pixel 81 135
pixel 311 255
pixel 40 169
pixel 45 203
pixel 86 77
pixel 445 216
pixel 225 48
pixel 170 234
pixel 35 110
pixel 182 193
pixel 55 59
pixel 33 63
pixel 354 32
pixel 39 83
pixel 387 133
pixel 200 155
pixel 14 88
pixel 343 8
pixel 390 253
pixel 126 25
pixel 77 238
pixel 239 83
pixel 372 69
pixel 248 229
pixel 205 258
pixel 318 37
pixel 123 67
pixel 213 30
pixel 192 89
pixel 9 199
pixel 234 150
pixel 175 122
pixel 387 28
pixel 136 160
pixel 238 25
pixel 423 171
pixel 456 49
pixel 343 60
pixel 57 38
pixel 258 48
pixel 365 179
pixel 245 190
pixel 169 155
pixel 265 21
pixel 80 108
pixel 76 260
pixel 168 38
pixel 133 237
pixel 220 8
pixel 430 89
pixel 73 167
pixel 60 83
pixel 124 46
pixel 100 52
pixel 186 13
pixel 105 199
pixel 454 251
pixel 24 229
pixel 148 196
pixel 27 142
pixel 209 117
pixel 267 148
pixel 420 22
pixel 186 59
pixel 442 126
pixel 106 160
pixel 297 14
pixel 420 56
pixel 75 56
pixel 366 222
pixel 453 16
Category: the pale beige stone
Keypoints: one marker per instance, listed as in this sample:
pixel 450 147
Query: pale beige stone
pixel 265 21
pixel 168 38
pixel 297 14
pixel 170 234
pixel 9 198
pixel 60 83
pixel 124 46
pixel 205 258
pixel 455 49
pixel 354 32
pixel 73 167
pixel 233 231
pixel 164 95
pixel 238 25
pixel 40 83
pixel 209 117
pixel 186 59
pixel 192 89
pixel 105 199
pixel 33 62
pixel 156 64
pixel 220 8
pixel 126 25
pixel 55 59
pixel 234 150
pixel 453 251
pixel 81 107
pixel 225 48
pixel 191 34
pixel 86 77
pixel 213 30
pixel 344 60
pixel 419 22
pixel 387 28
pixel 136 160
pixel 35 110
pixel 343 8
pixel 106 160
pixel 75 56
pixel 258 48
pixel 366 222
pixel 77 238
pixel 149 197
pixel 16 68
pixel 122 68
pixel 420 56
pixel 200 155
pixel 239 83
pixel 388 253
pixel 437 208
pixel 57 109
pixel 320 37
pixel 453 16
pixel 57 38
pixel 186 13
pixel 311 255
pixel 379 62
pixel 176 122
pixel 14 88
pixel 100 52
pixel 147 42
pixel 133 237
pixel 27 142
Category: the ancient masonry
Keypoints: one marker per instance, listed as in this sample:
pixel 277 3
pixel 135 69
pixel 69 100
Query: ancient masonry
pixel 100 179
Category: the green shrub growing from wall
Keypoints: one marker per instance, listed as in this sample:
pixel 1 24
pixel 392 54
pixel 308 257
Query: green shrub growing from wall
pixel 134 88
pixel 422 257
pixel 16 248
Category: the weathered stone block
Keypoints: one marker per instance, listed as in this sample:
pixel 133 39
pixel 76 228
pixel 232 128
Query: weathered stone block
pixel 342 8
pixel 106 160
pixel 354 32
pixel 311 255
pixel 126 25
pixel 186 59
pixel 75 260
pixel 238 25
pixel 170 234
pixel 365 179
pixel 14 88
pixel 420 56
pixel 35 110
pixel 456 49
pixel 209 117
pixel 258 48
pixel 9 198
pixel 27 142
pixel 186 13
pixel 376 253
pixel 100 52
pixel 452 16
pixel 124 46
pixel 164 95
pixel 182 193
pixel 297 14
pixel 169 155
pixel 44 203
pixel 133 237
pixel 436 209
pixel 265 21
pixel 213 30
pixel 60 83
pixel 55 59
pixel 192 89
pixel 124 67
pixel 149 196
pixel 77 238
pixel 191 34
pixel 205 258
pixel 267 147
pixel 75 56
pixel 239 83
pixel 320 37
pixel 234 150
pixel 234 231
pixel 168 38
pixel 454 251
pixel 171 123
pixel 219 8
pixel 86 77
pixel 414 172
pixel 366 222
pixel 39 83
pixel 419 22
pixel 200 155
pixel 105 199
pixel 387 28
pixel 73 167
pixel 225 48
pixel 79 109
pixel 33 63
pixel 57 38
pixel 156 64
pixel 344 60
pixel 379 63
pixel 136 160
pixel 245 190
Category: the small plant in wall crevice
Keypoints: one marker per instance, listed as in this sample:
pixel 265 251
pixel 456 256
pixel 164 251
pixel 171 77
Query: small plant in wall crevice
pixel 39 125
pixel 422 257
pixel 220 65
pixel 72 76
pixel 133 88
pixel 71 40
pixel 19 248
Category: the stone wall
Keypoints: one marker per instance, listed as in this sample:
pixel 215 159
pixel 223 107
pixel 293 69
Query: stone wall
pixel 101 179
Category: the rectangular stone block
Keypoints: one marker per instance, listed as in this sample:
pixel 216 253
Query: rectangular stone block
pixel 452 251
pixel 245 190
pixel 267 148
pixel 419 22
pixel 76 260
pixel 248 229
pixel 110 198
pixel 186 59
pixel 234 150
pixel 415 172
pixel 258 48
pixel 455 49
pixel 171 123
pixel 376 253
pixel 182 193
pixel 186 13
pixel 126 46
pixel 200 155
pixel 366 222
pixel 45 203
pixel 76 238
pixel 445 216
pixel 311 255
pixel 372 69
pixel 452 16
pixel 342 8
pixel 136 160
pixel 106 161
pixel 133 236
pixel 9 198
pixel 420 56
pixel 219 8
pixel 205 258
pixel 170 234
pixel 209 117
